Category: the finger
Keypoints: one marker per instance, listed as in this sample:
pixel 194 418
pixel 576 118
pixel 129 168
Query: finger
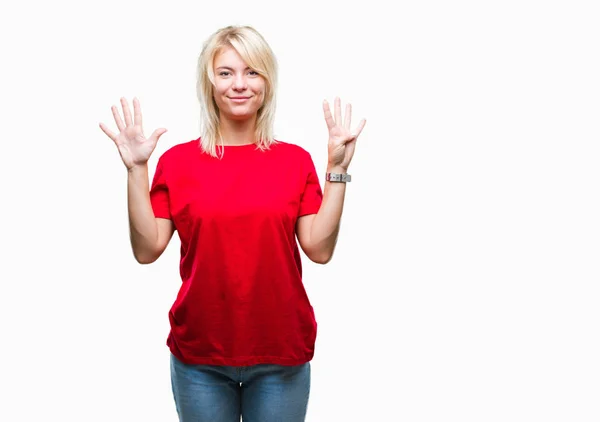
pixel 158 133
pixel 348 140
pixel 350 147
pixel 108 132
pixel 327 112
pixel 137 112
pixel 126 112
pixel 117 116
pixel 360 127
pixel 348 116
pixel 338 111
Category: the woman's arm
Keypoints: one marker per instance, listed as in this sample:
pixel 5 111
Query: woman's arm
pixel 149 235
pixel 317 233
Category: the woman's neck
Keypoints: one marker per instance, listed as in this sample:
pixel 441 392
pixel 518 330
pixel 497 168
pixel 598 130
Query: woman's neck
pixel 238 132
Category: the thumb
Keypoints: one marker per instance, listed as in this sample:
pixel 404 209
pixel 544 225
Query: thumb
pixel 158 133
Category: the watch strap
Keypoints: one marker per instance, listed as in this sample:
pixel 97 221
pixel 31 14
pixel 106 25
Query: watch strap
pixel 338 177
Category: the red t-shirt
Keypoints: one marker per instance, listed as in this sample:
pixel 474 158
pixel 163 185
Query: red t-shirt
pixel 242 301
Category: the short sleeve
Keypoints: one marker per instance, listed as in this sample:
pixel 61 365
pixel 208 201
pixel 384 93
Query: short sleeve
pixel 159 192
pixel 312 195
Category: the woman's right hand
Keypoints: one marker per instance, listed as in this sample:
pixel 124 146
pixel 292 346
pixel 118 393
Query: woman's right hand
pixel 133 146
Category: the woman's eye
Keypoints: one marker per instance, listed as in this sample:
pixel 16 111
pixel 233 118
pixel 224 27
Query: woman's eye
pixel 226 73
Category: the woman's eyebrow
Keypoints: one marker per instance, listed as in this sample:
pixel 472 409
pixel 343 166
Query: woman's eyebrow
pixel 229 68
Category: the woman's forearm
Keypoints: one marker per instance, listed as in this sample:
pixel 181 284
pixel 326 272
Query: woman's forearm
pixel 143 230
pixel 326 224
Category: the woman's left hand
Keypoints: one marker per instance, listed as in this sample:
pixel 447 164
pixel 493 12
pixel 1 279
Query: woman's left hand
pixel 341 140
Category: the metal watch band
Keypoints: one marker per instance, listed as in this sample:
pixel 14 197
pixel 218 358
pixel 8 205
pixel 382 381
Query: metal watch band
pixel 338 177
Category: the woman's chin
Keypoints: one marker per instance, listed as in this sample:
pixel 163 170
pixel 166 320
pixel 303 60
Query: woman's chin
pixel 240 115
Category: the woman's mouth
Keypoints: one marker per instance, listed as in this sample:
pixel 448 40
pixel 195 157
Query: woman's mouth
pixel 239 99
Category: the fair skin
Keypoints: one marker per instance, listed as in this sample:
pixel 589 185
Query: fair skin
pixel 239 94
pixel 149 236
pixel 318 233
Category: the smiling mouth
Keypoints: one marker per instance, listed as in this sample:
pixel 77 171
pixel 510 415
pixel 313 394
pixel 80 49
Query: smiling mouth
pixel 239 99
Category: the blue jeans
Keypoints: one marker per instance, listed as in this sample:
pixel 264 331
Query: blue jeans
pixel 258 393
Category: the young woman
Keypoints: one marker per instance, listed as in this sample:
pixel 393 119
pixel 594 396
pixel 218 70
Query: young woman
pixel 242 327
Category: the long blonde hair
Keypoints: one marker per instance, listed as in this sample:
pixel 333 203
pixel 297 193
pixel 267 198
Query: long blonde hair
pixel 257 54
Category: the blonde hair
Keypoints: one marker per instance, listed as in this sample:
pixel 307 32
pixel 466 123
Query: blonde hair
pixel 257 54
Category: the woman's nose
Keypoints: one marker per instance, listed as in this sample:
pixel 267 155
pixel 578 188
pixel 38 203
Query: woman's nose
pixel 239 83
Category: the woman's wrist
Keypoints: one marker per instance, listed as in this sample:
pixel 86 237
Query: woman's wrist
pixel 138 168
pixel 336 169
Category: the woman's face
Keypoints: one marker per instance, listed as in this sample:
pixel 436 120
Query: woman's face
pixel 239 91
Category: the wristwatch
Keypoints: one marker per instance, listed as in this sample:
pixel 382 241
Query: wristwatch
pixel 338 177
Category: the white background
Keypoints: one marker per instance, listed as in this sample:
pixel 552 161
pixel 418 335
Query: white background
pixel 465 282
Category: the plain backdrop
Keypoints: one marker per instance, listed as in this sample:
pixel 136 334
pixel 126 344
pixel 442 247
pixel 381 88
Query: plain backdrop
pixel 464 286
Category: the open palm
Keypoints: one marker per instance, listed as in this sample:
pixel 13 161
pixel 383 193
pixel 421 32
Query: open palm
pixel 342 141
pixel 135 149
